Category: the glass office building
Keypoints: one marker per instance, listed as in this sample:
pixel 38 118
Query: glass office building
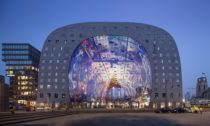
pixel 22 62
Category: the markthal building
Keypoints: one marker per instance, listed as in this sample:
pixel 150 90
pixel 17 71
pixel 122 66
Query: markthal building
pixel 109 65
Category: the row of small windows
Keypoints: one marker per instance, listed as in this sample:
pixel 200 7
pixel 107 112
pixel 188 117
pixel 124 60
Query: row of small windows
pixel 49 86
pixel 16 57
pixel 54 61
pixel 16 52
pixel 50 74
pixel 15 46
pixel 18 62
pixel 169 61
pixel 170 74
pixel 54 48
pixel 166 81
pixel 169 67
pixel 56 67
pixel 49 95
pixel 164 95
pixel 55 80
pixel 52 54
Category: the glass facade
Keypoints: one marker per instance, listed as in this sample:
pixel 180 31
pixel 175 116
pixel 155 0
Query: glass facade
pixel 22 62
pixel 110 70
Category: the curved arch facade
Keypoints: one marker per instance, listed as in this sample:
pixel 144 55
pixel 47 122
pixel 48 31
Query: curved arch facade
pixel 57 52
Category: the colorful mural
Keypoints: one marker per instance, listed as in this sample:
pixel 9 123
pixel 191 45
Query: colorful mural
pixel 109 68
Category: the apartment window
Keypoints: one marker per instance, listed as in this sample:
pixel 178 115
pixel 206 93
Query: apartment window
pixel 164 95
pixel 171 95
pixel 41 95
pixel 58 61
pixel 49 80
pixel 40 86
pixel 163 74
pixel 42 74
pixel 63 95
pixel 49 67
pixel 56 80
pixel 56 95
pixel 162 61
pixel 48 86
pixel 42 67
pixel 63 80
pixel 56 86
pixel 49 74
pixel 56 74
pixel 48 95
pixel 156 95
pixel 50 61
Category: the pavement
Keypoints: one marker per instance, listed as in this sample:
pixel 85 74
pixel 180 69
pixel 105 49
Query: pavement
pixel 125 119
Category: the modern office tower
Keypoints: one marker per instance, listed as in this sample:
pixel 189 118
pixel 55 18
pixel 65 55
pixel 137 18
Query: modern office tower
pixel 4 95
pixel 22 61
pixel 109 65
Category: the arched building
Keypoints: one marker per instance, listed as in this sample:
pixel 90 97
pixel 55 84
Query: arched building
pixel 109 64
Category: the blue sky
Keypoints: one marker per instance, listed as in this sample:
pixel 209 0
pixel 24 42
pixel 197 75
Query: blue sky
pixel 188 21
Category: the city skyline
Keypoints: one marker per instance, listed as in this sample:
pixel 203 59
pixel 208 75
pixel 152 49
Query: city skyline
pixel 188 25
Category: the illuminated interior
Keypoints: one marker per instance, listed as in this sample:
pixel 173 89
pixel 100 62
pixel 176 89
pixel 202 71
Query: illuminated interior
pixel 110 71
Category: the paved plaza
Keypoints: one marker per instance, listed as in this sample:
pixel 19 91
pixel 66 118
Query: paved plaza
pixel 125 119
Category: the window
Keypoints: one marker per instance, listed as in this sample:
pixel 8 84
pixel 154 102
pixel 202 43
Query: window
pixel 48 86
pixel 56 95
pixel 171 95
pixel 41 86
pixel 164 95
pixel 163 74
pixel 41 95
pixel 156 95
pixel 48 95
pixel 56 80
pixel 63 95
pixel 56 86
pixel 49 67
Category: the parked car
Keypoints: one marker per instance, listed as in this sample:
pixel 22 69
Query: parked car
pixel 162 110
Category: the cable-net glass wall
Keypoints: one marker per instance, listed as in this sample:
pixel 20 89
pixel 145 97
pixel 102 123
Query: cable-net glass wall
pixel 109 71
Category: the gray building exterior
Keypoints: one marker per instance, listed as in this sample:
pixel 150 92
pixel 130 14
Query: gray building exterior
pixel 60 44
pixel 201 87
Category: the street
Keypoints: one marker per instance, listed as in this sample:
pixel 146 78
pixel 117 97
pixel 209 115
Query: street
pixel 126 119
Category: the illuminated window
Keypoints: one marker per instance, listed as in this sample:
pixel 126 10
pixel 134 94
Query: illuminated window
pixel 40 86
pixel 48 86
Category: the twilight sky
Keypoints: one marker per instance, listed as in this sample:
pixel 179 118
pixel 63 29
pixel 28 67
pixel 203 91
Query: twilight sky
pixel 188 21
